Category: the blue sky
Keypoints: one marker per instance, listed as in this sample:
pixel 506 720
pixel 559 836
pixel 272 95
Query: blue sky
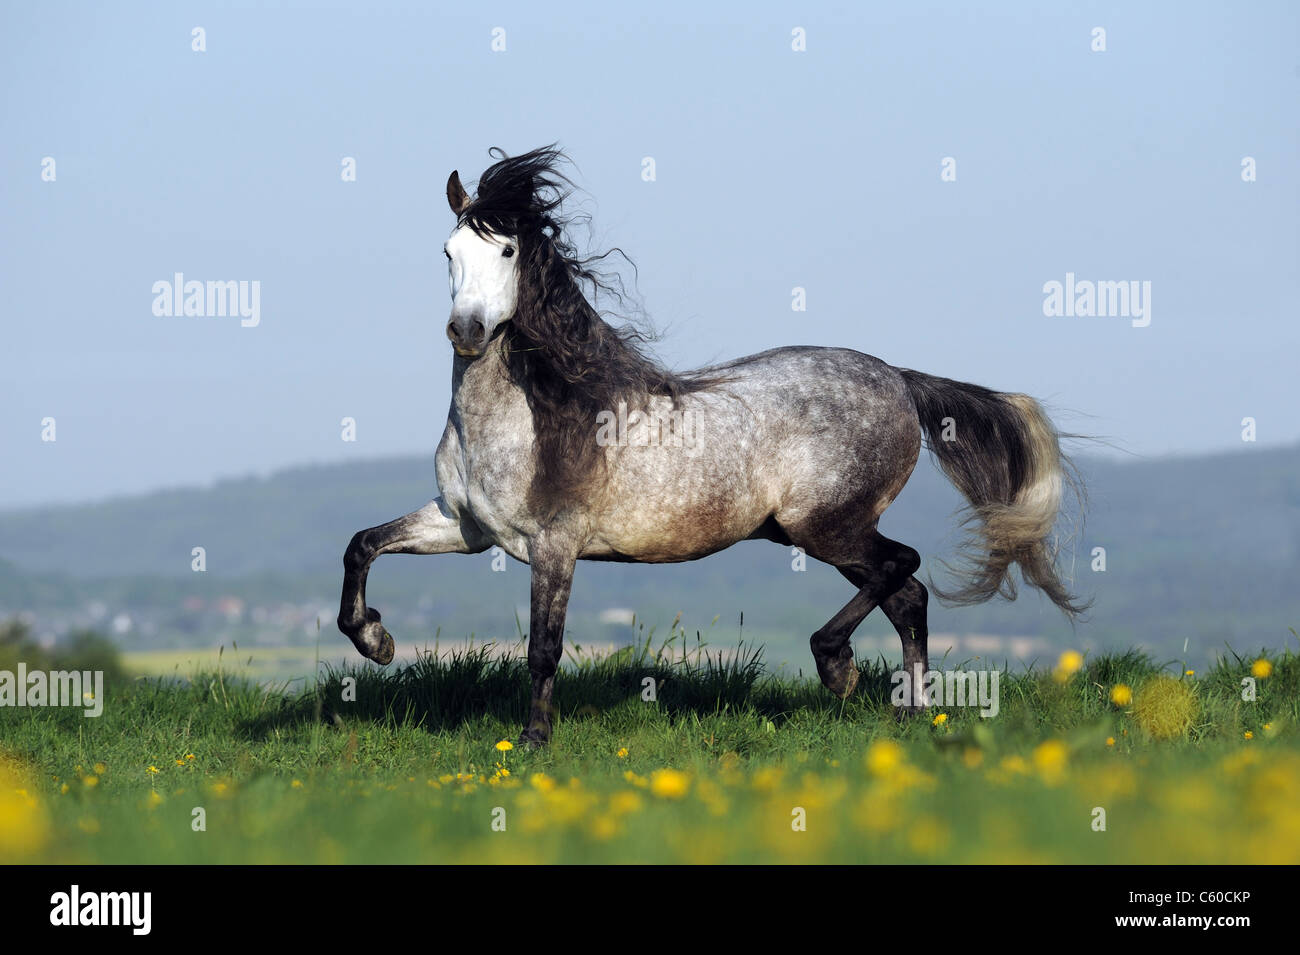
pixel 775 169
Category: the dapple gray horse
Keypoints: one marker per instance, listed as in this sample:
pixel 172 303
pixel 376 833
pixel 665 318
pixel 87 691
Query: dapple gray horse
pixel 566 442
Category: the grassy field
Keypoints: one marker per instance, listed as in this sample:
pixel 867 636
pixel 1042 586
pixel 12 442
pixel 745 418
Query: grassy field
pixel 289 665
pixel 728 764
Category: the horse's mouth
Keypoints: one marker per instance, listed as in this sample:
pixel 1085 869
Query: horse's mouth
pixel 466 352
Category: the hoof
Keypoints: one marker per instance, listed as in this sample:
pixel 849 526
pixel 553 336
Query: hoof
pixel 381 648
pixel 369 637
pixel 387 649
pixel 533 738
pixel 840 676
pixel 850 684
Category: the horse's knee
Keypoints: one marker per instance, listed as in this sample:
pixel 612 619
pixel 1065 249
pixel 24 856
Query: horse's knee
pixel 358 554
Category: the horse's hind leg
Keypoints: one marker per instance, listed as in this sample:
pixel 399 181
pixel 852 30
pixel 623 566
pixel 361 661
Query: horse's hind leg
pixel 906 610
pixel 833 649
pixel 880 568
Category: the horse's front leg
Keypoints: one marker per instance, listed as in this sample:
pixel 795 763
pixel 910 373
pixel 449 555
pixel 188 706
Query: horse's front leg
pixel 552 570
pixel 433 529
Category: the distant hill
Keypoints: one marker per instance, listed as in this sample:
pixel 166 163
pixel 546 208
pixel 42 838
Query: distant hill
pixel 1205 549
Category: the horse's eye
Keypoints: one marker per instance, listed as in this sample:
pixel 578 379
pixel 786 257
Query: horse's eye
pixel 507 252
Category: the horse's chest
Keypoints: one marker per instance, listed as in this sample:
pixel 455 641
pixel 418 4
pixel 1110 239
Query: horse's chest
pixel 489 463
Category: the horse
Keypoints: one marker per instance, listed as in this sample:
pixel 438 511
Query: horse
pixel 567 441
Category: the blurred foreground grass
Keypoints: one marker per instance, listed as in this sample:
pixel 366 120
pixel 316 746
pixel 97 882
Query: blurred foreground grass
pixel 723 766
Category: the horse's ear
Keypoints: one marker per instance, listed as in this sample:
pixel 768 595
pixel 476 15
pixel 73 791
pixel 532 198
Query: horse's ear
pixel 457 197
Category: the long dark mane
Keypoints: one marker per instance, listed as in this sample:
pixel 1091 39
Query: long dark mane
pixel 569 361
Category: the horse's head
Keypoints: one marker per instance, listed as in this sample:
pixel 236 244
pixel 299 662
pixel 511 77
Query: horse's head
pixel 483 269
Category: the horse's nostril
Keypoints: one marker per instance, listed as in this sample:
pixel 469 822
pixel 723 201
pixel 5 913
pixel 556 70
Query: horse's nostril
pixel 467 333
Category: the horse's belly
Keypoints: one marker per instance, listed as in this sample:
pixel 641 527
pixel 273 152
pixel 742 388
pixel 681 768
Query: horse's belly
pixel 654 523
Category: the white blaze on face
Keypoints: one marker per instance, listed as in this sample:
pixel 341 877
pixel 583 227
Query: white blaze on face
pixel 483 273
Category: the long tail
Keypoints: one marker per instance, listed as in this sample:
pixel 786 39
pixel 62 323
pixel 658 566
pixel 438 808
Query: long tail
pixel 1004 454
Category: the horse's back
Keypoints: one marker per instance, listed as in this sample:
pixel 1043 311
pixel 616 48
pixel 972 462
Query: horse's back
pixel 842 424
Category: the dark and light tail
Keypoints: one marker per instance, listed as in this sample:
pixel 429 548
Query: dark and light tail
pixel 1004 454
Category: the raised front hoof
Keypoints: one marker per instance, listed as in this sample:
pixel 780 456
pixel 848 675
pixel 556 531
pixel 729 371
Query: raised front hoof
pixel 369 636
pixel 374 642
pixel 840 676
pixel 384 653
pixel 534 737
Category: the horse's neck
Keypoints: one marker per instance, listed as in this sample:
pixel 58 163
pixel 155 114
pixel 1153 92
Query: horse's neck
pixel 482 388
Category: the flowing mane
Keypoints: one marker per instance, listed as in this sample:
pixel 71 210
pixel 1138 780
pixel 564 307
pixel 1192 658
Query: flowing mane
pixel 569 361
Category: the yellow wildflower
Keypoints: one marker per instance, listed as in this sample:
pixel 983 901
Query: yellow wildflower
pixel 24 825
pixel 1121 694
pixel 669 783
pixel 883 757
pixel 1070 663
pixel 1261 669
pixel 1049 758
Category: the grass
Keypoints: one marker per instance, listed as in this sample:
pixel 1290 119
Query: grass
pixel 262 664
pixel 402 765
